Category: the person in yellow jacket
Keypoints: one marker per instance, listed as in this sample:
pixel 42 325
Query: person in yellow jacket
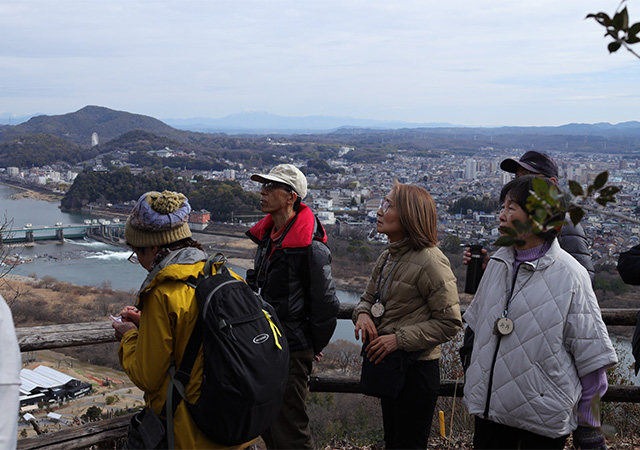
pixel 160 325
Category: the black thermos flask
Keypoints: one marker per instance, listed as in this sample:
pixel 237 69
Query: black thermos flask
pixel 474 270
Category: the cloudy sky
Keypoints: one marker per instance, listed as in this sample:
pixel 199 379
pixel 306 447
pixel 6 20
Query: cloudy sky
pixel 466 62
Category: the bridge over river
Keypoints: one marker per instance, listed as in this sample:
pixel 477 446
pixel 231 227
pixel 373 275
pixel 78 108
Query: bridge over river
pixel 29 233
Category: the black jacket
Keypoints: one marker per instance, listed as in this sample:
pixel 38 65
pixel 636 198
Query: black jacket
pixel 629 270
pixel 574 241
pixel 629 266
pixel 295 278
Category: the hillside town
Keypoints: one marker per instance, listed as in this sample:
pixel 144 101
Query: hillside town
pixel 347 182
pixel 350 194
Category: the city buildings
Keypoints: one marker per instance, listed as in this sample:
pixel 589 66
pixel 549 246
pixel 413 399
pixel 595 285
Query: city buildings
pixel 350 195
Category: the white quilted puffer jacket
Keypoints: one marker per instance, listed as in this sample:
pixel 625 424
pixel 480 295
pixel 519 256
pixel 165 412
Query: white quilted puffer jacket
pixel 530 379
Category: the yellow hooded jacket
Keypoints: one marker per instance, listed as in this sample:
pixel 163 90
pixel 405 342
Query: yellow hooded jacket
pixel 168 314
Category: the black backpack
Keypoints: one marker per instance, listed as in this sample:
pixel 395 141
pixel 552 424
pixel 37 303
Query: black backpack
pixel 246 360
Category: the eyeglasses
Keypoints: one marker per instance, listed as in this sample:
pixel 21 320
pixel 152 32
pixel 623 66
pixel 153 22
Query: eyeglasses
pixel 133 258
pixel 271 185
pixel 385 205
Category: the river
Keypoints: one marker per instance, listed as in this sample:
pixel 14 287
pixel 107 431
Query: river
pixel 89 262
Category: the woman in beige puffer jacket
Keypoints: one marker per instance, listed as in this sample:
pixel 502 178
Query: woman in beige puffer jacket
pixel 411 303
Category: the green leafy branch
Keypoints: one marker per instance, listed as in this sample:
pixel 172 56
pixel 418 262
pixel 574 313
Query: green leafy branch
pixel 618 28
pixel 548 208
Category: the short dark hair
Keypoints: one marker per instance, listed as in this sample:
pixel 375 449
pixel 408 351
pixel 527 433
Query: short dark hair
pixel 296 204
pixel 519 190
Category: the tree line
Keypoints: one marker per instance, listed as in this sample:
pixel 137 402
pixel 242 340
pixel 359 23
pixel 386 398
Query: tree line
pixel 486 204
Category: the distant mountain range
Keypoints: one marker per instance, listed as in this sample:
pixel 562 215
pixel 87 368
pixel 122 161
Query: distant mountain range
pixel 605 129
pixel 12 119
pixel 78 126
pixel 262 122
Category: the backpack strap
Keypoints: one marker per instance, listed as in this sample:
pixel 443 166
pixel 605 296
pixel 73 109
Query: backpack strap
pixel 218 261
pixel 178 379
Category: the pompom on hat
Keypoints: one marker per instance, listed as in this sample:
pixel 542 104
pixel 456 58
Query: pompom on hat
pixel 159 218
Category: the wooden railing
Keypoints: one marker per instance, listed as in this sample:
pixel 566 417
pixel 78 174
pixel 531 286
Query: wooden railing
pixel 69 335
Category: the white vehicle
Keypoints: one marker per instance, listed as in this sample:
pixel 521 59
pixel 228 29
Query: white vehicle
pixel 28 225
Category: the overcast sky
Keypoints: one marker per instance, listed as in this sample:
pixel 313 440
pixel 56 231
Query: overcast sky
pixel 466 62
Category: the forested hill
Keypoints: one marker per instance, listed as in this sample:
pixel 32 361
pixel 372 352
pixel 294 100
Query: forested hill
pixel 36 150
pixel 222 198
pixel 78 126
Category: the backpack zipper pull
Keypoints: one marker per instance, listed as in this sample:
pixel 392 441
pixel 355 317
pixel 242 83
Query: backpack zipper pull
pixel 223 324
pixel 274 328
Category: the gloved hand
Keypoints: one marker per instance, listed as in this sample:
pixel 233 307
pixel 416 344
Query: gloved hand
pixel 588 438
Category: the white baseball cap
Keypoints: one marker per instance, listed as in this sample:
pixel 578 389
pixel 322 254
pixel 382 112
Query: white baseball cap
pixel 286 174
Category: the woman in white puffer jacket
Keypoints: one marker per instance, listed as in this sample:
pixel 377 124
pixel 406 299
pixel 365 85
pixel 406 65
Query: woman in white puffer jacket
pixel 541 348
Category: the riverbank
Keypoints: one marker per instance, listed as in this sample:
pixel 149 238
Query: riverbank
pixel 32 192
pixel 351 270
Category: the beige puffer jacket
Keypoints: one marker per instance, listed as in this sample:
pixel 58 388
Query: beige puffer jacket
pixel 422 305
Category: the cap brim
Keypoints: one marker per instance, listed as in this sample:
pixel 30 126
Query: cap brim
pixel 262 178
pixel 510 165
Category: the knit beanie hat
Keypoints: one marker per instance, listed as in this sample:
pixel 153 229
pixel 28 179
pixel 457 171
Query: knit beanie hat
pixel 158 219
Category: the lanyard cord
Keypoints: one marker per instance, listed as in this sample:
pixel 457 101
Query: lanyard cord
pixel 505 314
pixel 379 296
pixel 377 293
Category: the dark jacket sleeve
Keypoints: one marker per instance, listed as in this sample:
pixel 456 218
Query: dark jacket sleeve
pixel 467 348
pixel 629 270
pixel 635 344
pixel 629 266
pixel 574 241
pixel 324 304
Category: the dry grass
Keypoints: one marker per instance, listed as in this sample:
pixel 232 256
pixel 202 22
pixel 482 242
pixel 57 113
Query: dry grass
pixel 47 301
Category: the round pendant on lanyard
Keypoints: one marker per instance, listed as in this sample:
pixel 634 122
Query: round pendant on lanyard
pixel 377 310
pixel 504 326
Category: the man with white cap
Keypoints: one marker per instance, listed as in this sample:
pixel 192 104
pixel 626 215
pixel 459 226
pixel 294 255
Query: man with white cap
pixel 292 271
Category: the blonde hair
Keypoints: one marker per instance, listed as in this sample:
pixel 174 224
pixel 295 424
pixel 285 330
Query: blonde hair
pixel 417 214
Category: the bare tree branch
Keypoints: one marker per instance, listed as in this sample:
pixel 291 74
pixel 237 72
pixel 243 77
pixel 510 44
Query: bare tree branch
pixel 608 213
